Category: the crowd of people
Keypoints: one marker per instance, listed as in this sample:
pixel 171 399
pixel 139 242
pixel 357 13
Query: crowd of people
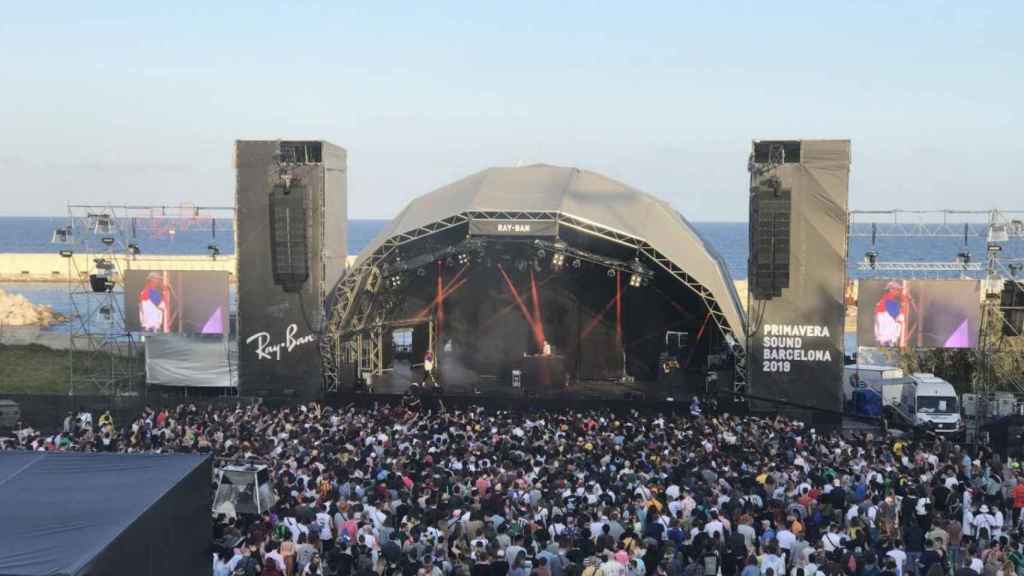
pixel 403 489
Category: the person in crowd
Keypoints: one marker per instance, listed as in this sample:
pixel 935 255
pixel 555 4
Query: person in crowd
pixel 408 489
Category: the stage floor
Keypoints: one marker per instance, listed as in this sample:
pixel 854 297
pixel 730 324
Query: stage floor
pixel 456 382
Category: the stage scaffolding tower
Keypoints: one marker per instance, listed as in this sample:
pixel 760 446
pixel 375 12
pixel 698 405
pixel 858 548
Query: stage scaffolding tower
pixel 998 234
pixel 100 242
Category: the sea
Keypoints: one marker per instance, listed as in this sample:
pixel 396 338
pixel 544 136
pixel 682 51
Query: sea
pixel 194 237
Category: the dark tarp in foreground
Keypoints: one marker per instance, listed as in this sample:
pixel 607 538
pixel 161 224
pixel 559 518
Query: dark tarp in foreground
pixel 80 514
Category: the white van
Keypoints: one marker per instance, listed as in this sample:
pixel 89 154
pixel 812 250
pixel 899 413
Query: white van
pixel 932 402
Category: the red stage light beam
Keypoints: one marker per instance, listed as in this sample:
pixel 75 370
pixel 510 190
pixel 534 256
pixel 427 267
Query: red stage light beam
pixel 597 319
pixel 442 295
pixel 536 307
pixel 440 302
pixel 522 307
pixel 618 307
pixel 512 305
pixel 702 327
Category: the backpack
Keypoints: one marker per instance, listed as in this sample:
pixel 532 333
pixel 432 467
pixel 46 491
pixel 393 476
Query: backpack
pixel 247 566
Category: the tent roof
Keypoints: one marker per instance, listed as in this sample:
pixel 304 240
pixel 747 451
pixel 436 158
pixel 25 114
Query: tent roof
pixel 585 195
pixel 61 510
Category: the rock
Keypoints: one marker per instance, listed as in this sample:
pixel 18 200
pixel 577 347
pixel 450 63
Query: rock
pixel 16 310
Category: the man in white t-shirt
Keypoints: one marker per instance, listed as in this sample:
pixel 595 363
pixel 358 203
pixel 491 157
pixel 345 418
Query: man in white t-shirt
pixel 899 556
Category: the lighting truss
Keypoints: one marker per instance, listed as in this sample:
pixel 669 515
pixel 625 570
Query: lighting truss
pixel 352 314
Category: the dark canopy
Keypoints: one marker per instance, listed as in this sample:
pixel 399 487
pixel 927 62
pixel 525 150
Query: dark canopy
pixel 76 514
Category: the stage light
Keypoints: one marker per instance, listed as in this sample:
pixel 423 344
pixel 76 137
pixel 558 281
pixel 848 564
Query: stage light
pixel 102 224
pixel 871 258
pixel 395 281
pixel 611 273
pixel 421 272
pixel 463 259
pixel 558 260
pixel 635 280
pixel 62 235
pixel 521 265
pixel 107 240
pixel 66 253
pixel 214 251
pixel 541 254
pixel 964 258
pixel 577 263
pixel 133 249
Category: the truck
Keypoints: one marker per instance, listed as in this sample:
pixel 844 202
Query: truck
pixel 927 401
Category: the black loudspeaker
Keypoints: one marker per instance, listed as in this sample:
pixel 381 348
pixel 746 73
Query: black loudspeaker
pixel 1011 303
pixel 770 217
pixel 100 283
pixel 289 237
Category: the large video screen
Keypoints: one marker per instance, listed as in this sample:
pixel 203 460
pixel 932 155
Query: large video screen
pixel 176 301
pixel 918 313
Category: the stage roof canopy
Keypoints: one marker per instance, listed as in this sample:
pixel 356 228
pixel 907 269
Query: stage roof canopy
pixel 582 195
pixel 94 513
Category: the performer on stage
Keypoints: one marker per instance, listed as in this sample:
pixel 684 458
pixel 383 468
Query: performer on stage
pixel 428 369
pixel 891 316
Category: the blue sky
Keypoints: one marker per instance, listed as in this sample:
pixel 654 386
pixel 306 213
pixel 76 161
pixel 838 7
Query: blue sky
pixel 124 102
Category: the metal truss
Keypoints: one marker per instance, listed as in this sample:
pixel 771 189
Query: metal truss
pixel 933 223
pixel 350 314
pixel 921 267
pixel 102 352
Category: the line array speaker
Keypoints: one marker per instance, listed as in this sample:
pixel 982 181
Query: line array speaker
pixel 289 237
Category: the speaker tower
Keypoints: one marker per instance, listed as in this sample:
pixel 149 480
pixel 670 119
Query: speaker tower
pixel 291 222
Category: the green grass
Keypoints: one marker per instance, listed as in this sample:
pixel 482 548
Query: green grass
pixel 35 369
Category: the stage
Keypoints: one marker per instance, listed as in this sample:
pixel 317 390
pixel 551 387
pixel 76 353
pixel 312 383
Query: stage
pixel 400 377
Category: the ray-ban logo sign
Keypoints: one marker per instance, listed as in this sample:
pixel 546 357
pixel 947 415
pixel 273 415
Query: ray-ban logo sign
pixel 267 351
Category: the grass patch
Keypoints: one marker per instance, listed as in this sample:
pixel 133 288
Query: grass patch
pixel 35 369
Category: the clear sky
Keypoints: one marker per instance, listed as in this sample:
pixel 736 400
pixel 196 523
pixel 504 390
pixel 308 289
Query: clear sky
pixel 141 101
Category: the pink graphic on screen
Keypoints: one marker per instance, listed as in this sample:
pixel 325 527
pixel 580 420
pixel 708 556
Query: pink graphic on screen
pixel 215 325
pixel 959 338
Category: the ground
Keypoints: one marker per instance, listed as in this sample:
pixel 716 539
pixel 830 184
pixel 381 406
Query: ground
pixel 35 369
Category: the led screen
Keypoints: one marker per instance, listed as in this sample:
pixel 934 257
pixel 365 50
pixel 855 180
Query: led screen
pixel 918 313
pixel 176 301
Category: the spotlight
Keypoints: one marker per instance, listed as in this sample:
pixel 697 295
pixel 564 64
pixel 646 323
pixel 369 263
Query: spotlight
pixel 611 273
pixel 395 281
pixel 635 280
pixel 62 235
pixel 102 224
pixel 558 260
pixel 463 259
pixel 577 263
pixel 66 253
pixel 214 251
pixel 994 248
pixel 133 249
pixel 964 258
pixel 871 258
pixel 107 240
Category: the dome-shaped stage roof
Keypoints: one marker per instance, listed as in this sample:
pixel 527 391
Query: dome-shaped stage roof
pixel 580 199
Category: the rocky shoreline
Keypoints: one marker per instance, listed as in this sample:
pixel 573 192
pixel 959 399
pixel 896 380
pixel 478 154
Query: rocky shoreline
pixel 16 310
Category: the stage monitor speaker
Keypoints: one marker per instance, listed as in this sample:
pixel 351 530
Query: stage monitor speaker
pixel 291 219
pixel 289 237
pixel 1011 303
